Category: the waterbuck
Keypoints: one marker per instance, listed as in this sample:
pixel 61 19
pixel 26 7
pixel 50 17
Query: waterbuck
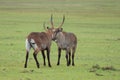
pixel 65 41
pixel 39 41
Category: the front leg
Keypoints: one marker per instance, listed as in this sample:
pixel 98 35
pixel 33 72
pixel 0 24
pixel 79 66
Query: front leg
pixel 48 57
pixel 43 54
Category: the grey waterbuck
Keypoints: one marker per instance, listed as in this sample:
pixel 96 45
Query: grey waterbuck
pixel 65 41
pixel 39 41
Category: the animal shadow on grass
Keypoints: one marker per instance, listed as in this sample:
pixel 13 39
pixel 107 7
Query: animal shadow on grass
pixel 27 71
pixel 96 68
pixel 30 71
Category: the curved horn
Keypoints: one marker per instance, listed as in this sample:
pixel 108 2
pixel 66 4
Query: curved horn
pixel 51 20
pixel 62 21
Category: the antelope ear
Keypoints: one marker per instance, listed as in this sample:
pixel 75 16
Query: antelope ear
pixel 60 29
pixel 48 27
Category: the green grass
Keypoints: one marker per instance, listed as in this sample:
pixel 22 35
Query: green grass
pixel 96 24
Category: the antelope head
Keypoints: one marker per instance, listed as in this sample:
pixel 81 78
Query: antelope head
pixel 58 29
pixel 52 30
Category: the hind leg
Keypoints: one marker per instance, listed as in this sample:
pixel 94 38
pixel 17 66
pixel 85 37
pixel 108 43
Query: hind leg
pixel 73 54
pixel 27 55
pixel 28 47
pixel 69 58
pixel 73 64
pixel 67 53
pixel 35 57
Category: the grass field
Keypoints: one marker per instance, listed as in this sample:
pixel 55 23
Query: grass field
pixel 96 24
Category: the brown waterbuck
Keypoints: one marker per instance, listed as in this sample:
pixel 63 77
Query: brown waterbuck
pixel 39 41
pixel 65 41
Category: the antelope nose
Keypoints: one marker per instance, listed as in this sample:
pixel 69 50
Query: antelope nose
pixel 53 39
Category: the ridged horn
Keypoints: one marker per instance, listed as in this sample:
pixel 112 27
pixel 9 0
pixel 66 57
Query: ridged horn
pixel 62 21
pixel 51 20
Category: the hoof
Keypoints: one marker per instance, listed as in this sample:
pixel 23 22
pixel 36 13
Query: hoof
pixel 58 64
pixel 25 66
pixel 73 64
pixel 50 66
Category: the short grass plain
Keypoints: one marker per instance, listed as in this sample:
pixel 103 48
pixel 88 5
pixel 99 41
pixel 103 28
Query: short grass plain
pixel 96 24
